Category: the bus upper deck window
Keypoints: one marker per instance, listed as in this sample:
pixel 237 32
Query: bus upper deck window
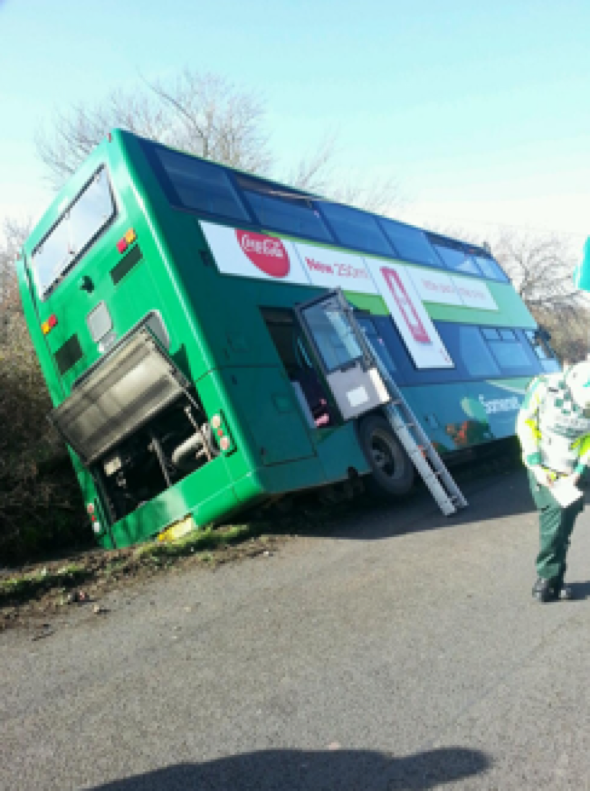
pixel 454 255
pixel 410 243
pixel 284 210
pixel 199 185
pixel 490 268
pixel 356 228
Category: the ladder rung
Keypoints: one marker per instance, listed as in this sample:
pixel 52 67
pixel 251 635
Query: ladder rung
pixel 424 456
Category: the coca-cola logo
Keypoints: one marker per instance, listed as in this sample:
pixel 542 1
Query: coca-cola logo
pixel 266 253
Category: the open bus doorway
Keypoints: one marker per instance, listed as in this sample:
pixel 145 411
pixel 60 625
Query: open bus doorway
pixel 392 473
pixel 311 393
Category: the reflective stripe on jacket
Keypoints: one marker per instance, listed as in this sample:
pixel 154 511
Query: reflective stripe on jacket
pixel 553 430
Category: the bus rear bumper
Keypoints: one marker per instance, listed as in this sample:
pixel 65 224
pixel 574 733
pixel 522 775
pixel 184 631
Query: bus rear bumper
pixel 210 496
pixel 205 494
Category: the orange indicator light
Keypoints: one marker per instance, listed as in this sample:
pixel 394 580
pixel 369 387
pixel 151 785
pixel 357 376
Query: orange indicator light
pixel 48 325
pixel 130 236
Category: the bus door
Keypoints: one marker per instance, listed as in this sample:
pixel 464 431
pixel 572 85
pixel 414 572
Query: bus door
pixel 312 395
pixel 342 354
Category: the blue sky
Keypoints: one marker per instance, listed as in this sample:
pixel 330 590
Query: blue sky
pixel 479 109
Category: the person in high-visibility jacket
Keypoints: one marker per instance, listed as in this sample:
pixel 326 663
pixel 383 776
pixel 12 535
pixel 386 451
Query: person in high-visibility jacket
pixel 553 427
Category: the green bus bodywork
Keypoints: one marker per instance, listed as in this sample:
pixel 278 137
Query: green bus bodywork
pixel 219 340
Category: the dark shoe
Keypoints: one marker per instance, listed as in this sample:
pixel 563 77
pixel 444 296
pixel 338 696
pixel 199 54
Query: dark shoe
pixel 565 593
pixel 544 591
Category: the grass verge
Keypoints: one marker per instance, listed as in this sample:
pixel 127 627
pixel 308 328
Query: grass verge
pixel 89 567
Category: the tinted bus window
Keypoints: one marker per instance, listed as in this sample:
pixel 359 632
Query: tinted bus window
pixel 489 267
pixel 406 372
pixel 356 229
pixel 511 356
pixel 73 234
pixel 378 344
pixel 538 345
pixel 410 243
pixel 468 349
pixel 543 352
pixel 454 256
pixel 200 186
pixel 294 215
pixel 333 338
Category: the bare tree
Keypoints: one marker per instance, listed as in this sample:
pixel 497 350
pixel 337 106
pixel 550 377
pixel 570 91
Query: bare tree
pixel 203 114
pixel 39 498
pixel 211 118
pixel 381 195
pixel 14 233
pixel 315 171
pixel 541 268
pixel 206 115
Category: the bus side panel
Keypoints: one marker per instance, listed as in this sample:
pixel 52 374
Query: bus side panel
pixel 467 414
pixel 340 452
pixel 264 404
pixel 512 312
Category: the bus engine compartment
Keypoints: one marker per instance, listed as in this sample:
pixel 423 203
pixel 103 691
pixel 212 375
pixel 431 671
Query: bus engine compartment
pixel 135 424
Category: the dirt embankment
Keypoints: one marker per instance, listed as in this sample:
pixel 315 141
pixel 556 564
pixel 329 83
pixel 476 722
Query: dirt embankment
pixel 31 595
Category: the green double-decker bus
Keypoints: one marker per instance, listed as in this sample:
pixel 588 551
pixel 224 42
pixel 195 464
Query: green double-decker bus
pixel 165 295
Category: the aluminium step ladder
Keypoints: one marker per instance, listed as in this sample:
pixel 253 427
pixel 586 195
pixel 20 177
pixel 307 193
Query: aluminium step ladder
pixel 417 444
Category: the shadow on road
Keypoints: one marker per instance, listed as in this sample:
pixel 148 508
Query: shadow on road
pixel 492 493
pixel 580 590
pixel 293 770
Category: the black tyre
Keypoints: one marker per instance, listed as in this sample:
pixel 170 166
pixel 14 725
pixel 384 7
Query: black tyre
pixel 392 471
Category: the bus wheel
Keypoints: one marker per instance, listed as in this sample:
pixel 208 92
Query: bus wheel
pixel 392 471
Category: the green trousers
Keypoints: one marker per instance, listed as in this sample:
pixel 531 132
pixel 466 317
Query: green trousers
pixel 555 528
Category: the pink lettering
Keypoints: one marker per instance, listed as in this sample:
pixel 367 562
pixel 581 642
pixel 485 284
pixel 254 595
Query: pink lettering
pixel 318 266
pixel 345 270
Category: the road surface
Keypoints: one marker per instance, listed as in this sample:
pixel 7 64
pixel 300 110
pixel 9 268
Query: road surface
pixel 395 650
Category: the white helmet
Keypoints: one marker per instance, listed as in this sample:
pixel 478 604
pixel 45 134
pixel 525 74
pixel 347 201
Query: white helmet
pixel 578 382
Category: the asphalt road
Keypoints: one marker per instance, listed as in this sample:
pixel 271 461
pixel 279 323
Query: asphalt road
pixel 399 650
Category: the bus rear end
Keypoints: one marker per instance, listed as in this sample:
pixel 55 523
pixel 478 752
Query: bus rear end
pixel 136 395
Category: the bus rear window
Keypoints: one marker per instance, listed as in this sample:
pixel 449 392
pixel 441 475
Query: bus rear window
pixel 73 234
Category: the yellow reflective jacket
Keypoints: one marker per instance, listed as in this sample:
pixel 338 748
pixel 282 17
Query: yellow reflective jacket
pixel 553 430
